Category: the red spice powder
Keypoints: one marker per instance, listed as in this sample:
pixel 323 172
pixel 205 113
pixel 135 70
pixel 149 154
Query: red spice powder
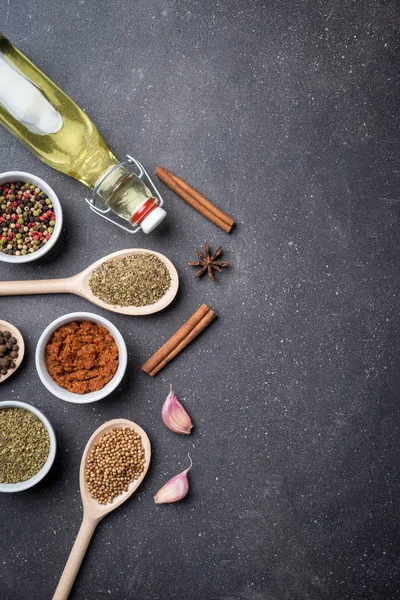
pixel 82 356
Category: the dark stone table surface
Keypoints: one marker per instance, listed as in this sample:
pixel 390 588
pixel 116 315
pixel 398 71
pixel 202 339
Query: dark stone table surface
pixel 286 115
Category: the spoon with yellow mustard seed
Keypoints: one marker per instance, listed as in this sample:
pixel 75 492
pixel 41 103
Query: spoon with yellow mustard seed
pixel 80 284
pixel 101 489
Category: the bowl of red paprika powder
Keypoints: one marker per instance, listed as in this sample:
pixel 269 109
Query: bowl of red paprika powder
pixel 81 357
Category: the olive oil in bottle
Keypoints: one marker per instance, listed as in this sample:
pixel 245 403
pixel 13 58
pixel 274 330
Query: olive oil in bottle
pixel 42 116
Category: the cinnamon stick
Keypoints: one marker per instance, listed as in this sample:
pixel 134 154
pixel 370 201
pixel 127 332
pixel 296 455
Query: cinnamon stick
pixel 210 316
pixel 203 200
pixel 188 332
pixel 196 200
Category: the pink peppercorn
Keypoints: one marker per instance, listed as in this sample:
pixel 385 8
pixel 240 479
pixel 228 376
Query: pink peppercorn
pixel 26 211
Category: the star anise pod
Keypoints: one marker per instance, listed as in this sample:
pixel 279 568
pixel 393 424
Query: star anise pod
pixel 208 262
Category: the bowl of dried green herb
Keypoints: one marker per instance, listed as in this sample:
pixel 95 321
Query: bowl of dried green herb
pixel 28 446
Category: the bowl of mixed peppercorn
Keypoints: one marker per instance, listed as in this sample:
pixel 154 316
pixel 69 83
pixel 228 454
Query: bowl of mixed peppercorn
pixel 30 217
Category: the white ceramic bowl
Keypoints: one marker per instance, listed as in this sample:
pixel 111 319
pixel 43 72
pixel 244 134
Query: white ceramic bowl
pixel 22 176
pixel 24 485
pixel 62 393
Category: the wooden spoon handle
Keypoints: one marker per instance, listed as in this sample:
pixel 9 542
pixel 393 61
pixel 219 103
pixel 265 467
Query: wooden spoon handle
pixel 75 558
pixel 40 286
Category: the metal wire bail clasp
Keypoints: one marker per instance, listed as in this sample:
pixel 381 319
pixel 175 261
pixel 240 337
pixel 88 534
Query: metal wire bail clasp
pixel 106 213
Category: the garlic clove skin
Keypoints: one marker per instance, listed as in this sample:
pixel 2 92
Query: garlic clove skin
pixel 175 489
pixel 175 416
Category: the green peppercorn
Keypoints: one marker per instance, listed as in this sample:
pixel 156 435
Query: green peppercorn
pixel 20 222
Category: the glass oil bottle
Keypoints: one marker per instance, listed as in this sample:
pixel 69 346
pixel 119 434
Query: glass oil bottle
pixel 42 116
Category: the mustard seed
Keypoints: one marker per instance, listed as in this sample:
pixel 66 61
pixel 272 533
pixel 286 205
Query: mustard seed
pixel 114 463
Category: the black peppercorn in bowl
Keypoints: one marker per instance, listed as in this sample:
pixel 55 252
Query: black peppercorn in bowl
pixel 29 443
pixel 30 217
pixel 12 349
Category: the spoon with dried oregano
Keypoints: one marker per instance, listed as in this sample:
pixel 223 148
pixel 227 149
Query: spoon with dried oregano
pixel 130 282
pixel 113 465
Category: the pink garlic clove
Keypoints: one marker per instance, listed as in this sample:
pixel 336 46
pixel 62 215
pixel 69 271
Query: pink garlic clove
pixel 175 489
pixel 175 416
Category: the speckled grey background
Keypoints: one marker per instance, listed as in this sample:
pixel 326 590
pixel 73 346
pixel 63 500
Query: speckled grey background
pixel 286 115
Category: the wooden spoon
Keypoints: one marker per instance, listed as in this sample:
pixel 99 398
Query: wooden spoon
pixel 79 285
pixel 5 326
pixel 93 512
